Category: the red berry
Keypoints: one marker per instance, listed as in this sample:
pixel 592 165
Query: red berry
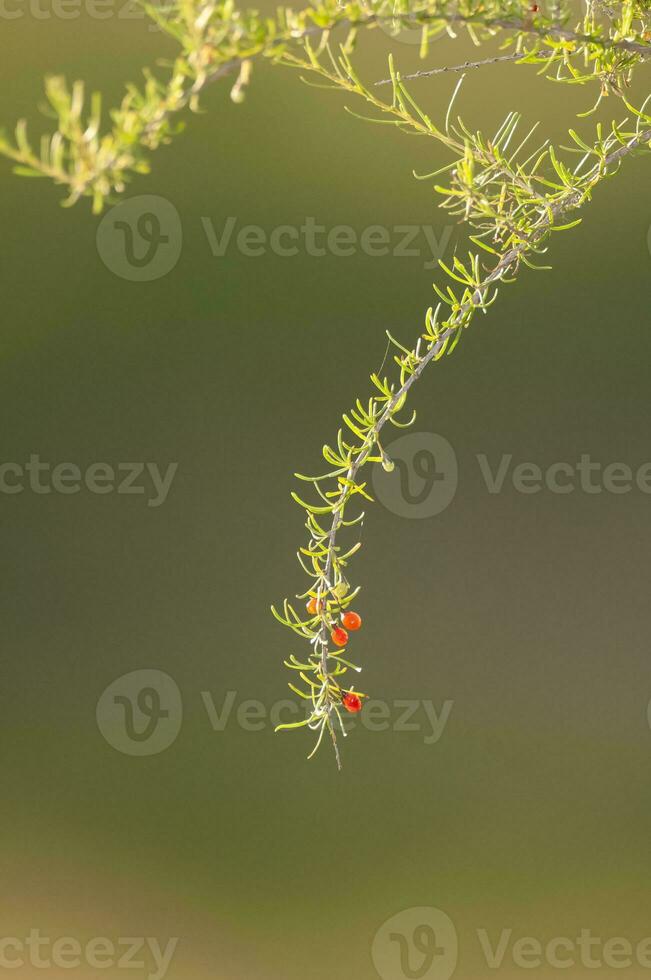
pixel 351 620
pixel 312 606
pixel 352 703
pixel 339 637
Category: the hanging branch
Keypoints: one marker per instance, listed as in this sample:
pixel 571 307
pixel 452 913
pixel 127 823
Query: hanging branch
pixel 521 204
pixel 512 200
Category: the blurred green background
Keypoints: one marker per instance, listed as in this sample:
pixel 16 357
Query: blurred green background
pixel 530 613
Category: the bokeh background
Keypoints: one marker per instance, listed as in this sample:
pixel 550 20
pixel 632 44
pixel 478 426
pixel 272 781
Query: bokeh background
pixel 530 613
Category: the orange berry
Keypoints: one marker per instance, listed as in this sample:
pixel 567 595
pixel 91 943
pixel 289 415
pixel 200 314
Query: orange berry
pixel 351 620
pixel 351 702
pixel 339 637
pixel 312 606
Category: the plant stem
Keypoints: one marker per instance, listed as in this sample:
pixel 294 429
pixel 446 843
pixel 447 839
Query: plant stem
pixel 570 201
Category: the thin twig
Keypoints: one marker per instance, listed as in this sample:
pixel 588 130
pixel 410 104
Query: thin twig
pixel 466 66
pixel 570 201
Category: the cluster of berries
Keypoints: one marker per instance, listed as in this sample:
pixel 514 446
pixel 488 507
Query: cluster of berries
pixel 350 621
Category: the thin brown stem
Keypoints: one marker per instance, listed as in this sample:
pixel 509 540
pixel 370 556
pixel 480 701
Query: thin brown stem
pixel 466 66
